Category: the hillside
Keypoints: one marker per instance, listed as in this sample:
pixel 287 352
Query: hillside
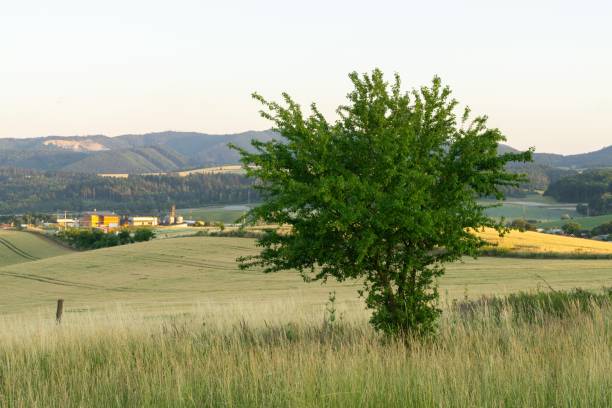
pixel 136 160
pixel 171 151
pixel 34 191
pixel 174 274
pixel 135 154
pixel 19 247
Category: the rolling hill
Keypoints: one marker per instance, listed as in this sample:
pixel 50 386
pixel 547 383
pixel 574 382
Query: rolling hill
pixel 20 247
pixel 169 275
pixel 172 151
pixel 134 154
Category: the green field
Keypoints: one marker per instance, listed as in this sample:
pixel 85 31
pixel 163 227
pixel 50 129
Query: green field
pixel 228 214
pixel 174 274
pixel 18 247
pixel 585 222
pixel 532 207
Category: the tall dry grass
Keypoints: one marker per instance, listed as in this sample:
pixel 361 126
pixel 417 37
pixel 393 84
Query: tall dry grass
pixel 282 355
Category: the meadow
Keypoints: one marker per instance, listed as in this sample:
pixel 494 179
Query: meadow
pixel 530 207
pixel 175 323
pixel 227 214
pixel 279 356
pixel 585 222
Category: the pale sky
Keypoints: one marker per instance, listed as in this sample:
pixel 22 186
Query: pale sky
pixel 541 70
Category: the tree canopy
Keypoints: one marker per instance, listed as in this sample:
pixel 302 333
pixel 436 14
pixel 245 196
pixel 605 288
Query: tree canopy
pixel 387 193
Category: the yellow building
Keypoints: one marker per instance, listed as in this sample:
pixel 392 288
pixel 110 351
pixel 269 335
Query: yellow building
pixel 100 220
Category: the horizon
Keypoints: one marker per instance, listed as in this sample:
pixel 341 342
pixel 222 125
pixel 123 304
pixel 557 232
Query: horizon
pixel 265 130
pixel 538 71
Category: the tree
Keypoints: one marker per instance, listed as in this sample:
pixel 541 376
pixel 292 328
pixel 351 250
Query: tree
pixel 571 228
pixel 387 194
pixel 522 225
pixel 603 229
pixel 144 234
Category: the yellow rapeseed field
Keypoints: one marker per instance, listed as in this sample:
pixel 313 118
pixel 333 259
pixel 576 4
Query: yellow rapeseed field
pixel 529 241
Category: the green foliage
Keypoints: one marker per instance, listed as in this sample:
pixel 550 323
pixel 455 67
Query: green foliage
pixel 387 194
pixel 27 190
pixel 522 225
pixel 95 238
pixel 571 228
pixel 602 229
pixel 144 234
pixel 593 187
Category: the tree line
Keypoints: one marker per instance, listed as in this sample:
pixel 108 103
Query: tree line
pixel 23 191
pixel 593 189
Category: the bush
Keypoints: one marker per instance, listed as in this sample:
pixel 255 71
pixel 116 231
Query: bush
pixel 144 234
pixel 571 228
pixel 603 229
pixel 95 238
pixel 522 225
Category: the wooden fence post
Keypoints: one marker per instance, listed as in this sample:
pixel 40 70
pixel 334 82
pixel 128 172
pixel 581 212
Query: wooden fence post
pixel 59 311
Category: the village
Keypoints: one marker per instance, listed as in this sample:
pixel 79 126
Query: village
pixel 109 221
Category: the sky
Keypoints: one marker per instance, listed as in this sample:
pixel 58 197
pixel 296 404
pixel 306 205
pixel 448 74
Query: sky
pixel 540 70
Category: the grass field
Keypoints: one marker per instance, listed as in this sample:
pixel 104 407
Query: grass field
pixel 175 274
pixel 227 214
pixel 175 323
pixel 279 357
pixel 532 207
pixel 18 247
pixel 585 222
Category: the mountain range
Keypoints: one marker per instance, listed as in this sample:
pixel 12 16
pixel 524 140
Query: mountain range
pixel 172 151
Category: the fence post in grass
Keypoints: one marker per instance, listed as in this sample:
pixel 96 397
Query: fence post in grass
pixel 59 311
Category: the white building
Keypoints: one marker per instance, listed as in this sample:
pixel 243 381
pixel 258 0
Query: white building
pixel 143 221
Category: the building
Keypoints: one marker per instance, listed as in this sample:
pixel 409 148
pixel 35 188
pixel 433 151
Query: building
pixel 172 218
pixel 100 220
pixel 143 221
pixel 67 222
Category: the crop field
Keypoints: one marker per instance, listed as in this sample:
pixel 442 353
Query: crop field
pixel 534 242
pixel 18 247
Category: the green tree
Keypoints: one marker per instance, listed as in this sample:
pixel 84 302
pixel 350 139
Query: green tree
pixel 387 194
pixel 143 234
pixel 571 228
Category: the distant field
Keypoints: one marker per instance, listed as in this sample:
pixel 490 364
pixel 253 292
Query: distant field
pixel 175 274
pixel 540 243
pixel 532 207
pixel 18 247
pixel 585 222
pixel 227 214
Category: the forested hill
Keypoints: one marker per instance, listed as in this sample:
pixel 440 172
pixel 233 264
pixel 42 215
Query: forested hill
pixel 134 154
pixel 24 191
pixel 172 151
pixel 592 187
